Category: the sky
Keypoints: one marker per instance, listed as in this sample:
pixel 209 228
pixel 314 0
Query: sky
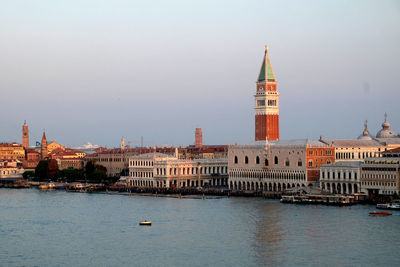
pixel 101 70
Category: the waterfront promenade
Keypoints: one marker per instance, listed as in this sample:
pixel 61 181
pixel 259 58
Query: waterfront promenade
pixel 57 228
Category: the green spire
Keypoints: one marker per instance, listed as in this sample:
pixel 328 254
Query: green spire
pixel 268 72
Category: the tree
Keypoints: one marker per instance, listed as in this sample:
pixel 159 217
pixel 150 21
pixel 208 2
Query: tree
pixel 28 174
pixel 46 169
pixel 41 170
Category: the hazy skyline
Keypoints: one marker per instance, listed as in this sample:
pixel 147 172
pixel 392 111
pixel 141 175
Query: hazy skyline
pixel 99 70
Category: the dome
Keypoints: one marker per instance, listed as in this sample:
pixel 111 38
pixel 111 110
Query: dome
pixel 365 134
pixel 386 132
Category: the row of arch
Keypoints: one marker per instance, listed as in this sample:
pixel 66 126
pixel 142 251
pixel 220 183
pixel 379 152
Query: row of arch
pixel 192 170
pixel 260 186
pixel 340 188
pixel 287 175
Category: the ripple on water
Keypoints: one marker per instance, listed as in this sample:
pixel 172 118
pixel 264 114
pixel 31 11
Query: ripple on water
pixel 59 228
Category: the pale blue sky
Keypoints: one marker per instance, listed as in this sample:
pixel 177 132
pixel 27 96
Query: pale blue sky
pixel 99 70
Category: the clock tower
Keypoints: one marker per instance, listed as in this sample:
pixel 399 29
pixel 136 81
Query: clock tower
pixel 25 136
pixel 266 103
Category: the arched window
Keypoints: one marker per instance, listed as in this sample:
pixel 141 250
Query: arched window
pixel 287 162
pixel 310 163
pixel 236 160
pixel 328 161
pixel 257 160
pixel 276 160
pixel 246 160
pixel 299 163
pixel 266 162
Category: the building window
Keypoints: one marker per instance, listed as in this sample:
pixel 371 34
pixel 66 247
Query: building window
pixel 276 160
pixel 266 162
pixel 328 161
pixel 287 163
pixel 236 160
pixel 311 152
pixel 246 160
pixel 257 160
pixel 310 163
pixel 299 163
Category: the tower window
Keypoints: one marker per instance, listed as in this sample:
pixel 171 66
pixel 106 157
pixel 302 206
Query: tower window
pixel 271 102
pixel 260 103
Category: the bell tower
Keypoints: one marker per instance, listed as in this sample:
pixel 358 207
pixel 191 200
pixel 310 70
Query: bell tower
pixel 44 152
pixel 266 103
pixel 25 136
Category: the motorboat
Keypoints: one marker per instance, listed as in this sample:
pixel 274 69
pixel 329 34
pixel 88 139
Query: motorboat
pixel 380 213
pixel 146 223
pixel 47 186
pixel 388 206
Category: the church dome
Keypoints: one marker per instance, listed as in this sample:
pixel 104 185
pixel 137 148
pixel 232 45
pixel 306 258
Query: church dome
pixel 365 134
pixel 386 132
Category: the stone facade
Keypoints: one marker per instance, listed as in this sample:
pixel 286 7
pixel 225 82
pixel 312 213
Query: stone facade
pixel 380 175
pixel 160 170
pixel 343 177
pixel 277 165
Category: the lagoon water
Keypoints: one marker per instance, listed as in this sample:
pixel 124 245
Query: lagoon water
pixel 58 228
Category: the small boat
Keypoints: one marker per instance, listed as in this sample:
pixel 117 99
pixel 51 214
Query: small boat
pixel 148 223
pixel 380 213
pixel 47 186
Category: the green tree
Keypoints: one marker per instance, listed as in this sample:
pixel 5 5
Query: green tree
pixel 28 174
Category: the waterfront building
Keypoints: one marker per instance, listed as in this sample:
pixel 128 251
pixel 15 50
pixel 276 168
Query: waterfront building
pixel 341 177
pixel 380 175
pixel 266 103
pixel 161 170
pixel 276 166
pixel 25 135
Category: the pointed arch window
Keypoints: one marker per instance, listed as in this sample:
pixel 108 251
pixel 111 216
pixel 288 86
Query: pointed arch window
pixel 299 163
pixel 246 160
pixel 236 160
pixel 266 162
pixel 276 160
pixel 257 160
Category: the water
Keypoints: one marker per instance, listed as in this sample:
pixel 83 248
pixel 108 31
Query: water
pixel 73 229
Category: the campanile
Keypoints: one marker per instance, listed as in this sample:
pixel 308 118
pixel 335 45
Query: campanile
pixel 25 136
pixel 266 103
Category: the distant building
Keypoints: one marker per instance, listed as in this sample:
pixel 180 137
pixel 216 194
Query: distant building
pixel 12 152
pixel 53 146
pixel 68 158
